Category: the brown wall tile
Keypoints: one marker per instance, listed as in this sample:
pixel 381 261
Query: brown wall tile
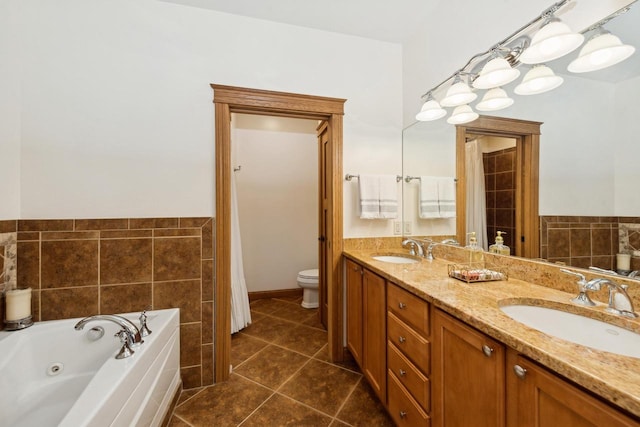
pixel 191 377
pixel 125 298
pixel 45 225
pixel 69 303
pixel 196 222
pixel 69 235
pixel 8 226
pixel 153 223
pixel 559 243
pixel 125 261
pixel 207 280
pixel 184 295
pixel 28 265
pixel 580 242
pixel 176 232
pixel 69 263
pixel 208 232
pixel 122 234
pixel 35 305
pixel 207 364
pixel 28 235
pixel 601 241
pixel 207 322
pixel 102 224
pixel 176 258
pixel 190 344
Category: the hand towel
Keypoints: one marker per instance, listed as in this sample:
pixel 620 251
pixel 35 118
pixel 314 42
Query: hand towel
pixel 388 196
pixel 369 193
pixel 447 197
pixel 428 198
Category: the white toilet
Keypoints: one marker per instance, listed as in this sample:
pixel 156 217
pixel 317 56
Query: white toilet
pixel 308 281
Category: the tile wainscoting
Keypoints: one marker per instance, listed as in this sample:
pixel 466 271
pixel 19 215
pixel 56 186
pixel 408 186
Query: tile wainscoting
pixel 80 267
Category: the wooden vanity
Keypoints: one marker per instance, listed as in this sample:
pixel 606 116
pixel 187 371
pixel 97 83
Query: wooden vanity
pixel 439 352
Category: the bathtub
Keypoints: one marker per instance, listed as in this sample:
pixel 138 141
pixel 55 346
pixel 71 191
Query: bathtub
pixel 53 375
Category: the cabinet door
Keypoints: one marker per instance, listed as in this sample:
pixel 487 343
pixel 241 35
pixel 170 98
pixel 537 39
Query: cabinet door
pixel 374 338
pixel 468 376
pixel 354 310
pixel 540 398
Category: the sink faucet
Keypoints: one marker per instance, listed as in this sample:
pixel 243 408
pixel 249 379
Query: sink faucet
pixel 131 331
pixel 621 308
pixel 415 248
pixel 582 298
pixel 429 255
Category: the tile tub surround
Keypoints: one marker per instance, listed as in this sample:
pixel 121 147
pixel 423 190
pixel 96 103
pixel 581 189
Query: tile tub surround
pixel 613 377
pixel 80 267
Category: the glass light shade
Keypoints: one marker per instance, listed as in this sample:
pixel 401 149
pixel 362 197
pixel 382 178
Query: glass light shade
pixel 601 51
pixel 458 94
pixel 462 114
pixel 494 100
pixel 539 79
pixel 496 72
pixel 431 110
pixel 552 41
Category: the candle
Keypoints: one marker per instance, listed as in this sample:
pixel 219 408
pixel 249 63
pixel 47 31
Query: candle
pixel 18 304
pixel 623 262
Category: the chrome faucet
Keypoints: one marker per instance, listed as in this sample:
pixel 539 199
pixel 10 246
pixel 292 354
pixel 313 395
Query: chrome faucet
pixel 415 247
pixel 621 308
pixel 429 255
pixel 131 331
pixel 582 298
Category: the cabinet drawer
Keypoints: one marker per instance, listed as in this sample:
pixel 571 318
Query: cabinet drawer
pixel 409 376
pixel 408 307
pixel 414 346
pixel 404 410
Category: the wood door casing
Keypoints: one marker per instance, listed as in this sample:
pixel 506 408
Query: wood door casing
pixel 324 190
pixel 230 99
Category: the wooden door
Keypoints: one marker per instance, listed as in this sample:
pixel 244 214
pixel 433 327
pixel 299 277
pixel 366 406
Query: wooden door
pixel 324 218
pixel 468 376
pixel 374 351
pixel 539 398
pixel 354 310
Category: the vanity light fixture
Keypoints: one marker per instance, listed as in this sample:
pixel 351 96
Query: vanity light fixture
pixel 553 40
pixel 496 72
pixel 539 79
pixel 431 110
pixel 458 94
pixel 494 100
pixel 462 114
pixel 601 51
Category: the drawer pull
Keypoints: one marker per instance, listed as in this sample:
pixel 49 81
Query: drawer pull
pixel 488 351
pixel 403 414
pixel 402 305
pixel 401 339
pixel 519 371
pixel 402 372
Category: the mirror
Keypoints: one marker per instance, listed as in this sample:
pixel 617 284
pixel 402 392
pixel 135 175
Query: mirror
pixel 586 143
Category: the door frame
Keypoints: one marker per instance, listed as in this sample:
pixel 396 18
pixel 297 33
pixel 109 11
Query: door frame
pixel 231 99
pixel 527 134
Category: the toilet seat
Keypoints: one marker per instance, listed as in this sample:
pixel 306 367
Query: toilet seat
pixel 309 274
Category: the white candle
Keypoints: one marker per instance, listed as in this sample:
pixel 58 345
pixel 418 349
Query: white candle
pixel 623 262
pixel 18 304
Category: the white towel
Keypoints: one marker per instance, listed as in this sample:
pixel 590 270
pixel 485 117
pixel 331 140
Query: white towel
pixel 369 193
pixel 428 197
pixel 447 197
pixel 388 196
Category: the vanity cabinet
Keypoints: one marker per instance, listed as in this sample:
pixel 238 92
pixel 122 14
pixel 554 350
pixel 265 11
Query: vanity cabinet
pixel 468 376
pixel 366 325
pixel 408 357
pixel 537 397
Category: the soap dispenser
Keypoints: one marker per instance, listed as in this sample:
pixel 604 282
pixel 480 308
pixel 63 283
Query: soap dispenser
pixel 476 254
pixel 499 247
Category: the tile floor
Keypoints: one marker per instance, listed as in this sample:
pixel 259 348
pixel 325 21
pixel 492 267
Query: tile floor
pixel 282 377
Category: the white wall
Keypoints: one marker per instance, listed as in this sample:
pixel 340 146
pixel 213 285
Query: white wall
pixel 626 146
pixel 117 118
pixel 10 98
pixel 277 198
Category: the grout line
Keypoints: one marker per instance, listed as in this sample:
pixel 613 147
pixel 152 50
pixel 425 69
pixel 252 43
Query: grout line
pixel 182 419
pixel 199 391
pixel 344 402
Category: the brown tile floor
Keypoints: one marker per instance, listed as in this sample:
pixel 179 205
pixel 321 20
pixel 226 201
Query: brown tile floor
pixel 282 377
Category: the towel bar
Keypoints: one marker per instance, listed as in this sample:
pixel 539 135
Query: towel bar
pixel 410 178
pixel 349 177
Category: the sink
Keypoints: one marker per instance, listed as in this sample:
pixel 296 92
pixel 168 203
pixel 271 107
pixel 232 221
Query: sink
pixel 577 329
pixel 396 259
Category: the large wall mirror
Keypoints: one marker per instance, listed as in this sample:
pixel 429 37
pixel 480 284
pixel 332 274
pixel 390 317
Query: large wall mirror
pixel 588 150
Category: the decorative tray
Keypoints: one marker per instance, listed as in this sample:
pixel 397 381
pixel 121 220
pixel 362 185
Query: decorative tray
pixel 478 272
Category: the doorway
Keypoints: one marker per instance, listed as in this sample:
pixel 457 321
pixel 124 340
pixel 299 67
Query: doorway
pixel 526 238
pixel 227 100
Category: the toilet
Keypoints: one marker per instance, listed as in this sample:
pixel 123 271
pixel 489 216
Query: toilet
pixel 308 281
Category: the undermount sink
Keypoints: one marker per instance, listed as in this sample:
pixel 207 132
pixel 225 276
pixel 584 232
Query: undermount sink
pixel 395 259
pixel 577 328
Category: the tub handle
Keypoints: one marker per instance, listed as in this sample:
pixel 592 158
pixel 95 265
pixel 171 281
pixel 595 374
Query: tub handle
pixel 144 330
pixel 126 350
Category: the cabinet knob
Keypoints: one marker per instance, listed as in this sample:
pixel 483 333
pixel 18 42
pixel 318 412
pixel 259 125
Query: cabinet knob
pixel 488 351
pixel 403 414
pixel 402 372
pixel 402 305
pixel 519 371
pixel 401 339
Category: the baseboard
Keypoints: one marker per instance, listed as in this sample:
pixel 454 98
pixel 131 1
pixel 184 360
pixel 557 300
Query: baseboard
pixel 280 293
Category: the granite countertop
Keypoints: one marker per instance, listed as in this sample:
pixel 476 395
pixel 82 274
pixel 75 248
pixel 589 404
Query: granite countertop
pixel 613 377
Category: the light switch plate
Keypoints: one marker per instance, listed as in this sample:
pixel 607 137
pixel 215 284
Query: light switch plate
pixel 397 227
pixel 407 227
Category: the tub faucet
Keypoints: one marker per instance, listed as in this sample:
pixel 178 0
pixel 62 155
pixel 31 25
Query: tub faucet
pixel 616 294
pixel 415 248
pixel 131 331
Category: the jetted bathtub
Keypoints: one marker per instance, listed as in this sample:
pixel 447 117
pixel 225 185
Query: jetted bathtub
pixel 53 375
